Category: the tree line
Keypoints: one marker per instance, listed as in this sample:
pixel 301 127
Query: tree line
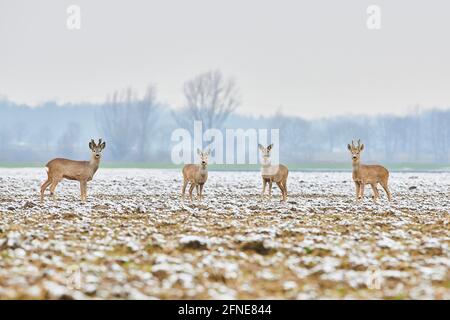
pixel 138 128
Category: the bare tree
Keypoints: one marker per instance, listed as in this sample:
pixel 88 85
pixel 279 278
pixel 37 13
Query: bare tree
pixel 209 98
pixel 5 142
pixel 69 141
pixel 116 122
pixel 440 135
pixel 126 121
pixel 20 133
pixel 146 112
pixel 293 131
pixel 45 136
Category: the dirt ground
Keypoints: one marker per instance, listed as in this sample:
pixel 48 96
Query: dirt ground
pixel 135 239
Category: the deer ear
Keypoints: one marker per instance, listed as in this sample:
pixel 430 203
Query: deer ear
pixel 260 147
pixel 103 145
pixel 92 144
pixel 198 151
pixel 270 147
pixel 208 152
pixel 349 147
pixel 362 147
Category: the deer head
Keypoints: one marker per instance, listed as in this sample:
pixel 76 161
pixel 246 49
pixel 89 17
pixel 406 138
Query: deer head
pixel 203 157
pixel 356 150
pixel 265 152
pixel 97 148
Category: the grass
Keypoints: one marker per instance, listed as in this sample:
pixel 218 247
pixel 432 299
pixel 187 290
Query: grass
pixel 309 166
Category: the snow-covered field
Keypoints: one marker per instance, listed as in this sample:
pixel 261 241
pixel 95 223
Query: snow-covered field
pixel 135 239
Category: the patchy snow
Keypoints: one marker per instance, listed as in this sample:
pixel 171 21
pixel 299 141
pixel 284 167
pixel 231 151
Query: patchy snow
pixel 136 239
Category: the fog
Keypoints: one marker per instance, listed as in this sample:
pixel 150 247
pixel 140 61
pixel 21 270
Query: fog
pixel 309 58
pixel 138 129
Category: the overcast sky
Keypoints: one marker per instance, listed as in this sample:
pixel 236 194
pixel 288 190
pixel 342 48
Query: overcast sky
pixel 308 58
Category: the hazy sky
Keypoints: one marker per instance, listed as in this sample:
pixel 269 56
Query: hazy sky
pixel 308 58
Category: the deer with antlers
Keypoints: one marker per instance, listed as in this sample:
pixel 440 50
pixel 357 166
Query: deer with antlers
pixel 82 171
pixel 367 174
pixel 196 174
pixel 273 173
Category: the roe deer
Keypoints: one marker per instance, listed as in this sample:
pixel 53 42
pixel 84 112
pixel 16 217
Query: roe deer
pixel 82 171
pixel 196 174
pixel 367 174
pixel 273 173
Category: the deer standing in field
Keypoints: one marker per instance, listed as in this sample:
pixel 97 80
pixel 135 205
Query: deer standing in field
pixel 273 173
pixel 196 174
pixel 82 171
pixel 367 174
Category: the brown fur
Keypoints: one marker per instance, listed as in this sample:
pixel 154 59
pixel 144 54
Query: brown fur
pixel 273 173
pixel 82 171
pixel 367 174
pixel 196 175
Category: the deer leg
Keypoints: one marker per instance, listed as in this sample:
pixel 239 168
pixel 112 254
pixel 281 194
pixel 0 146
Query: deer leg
pixel 361 192
pixel 201 191
pixel 375 191
pixel 264 187
pixel 385 187
pixel 197 189
pixel 44 187
pixel 83 189
pixel 191 189
pixel 183 190
pixel 285 188
pixel 280 185
pixel 270 189
pixel 53 187
pixel 358 189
